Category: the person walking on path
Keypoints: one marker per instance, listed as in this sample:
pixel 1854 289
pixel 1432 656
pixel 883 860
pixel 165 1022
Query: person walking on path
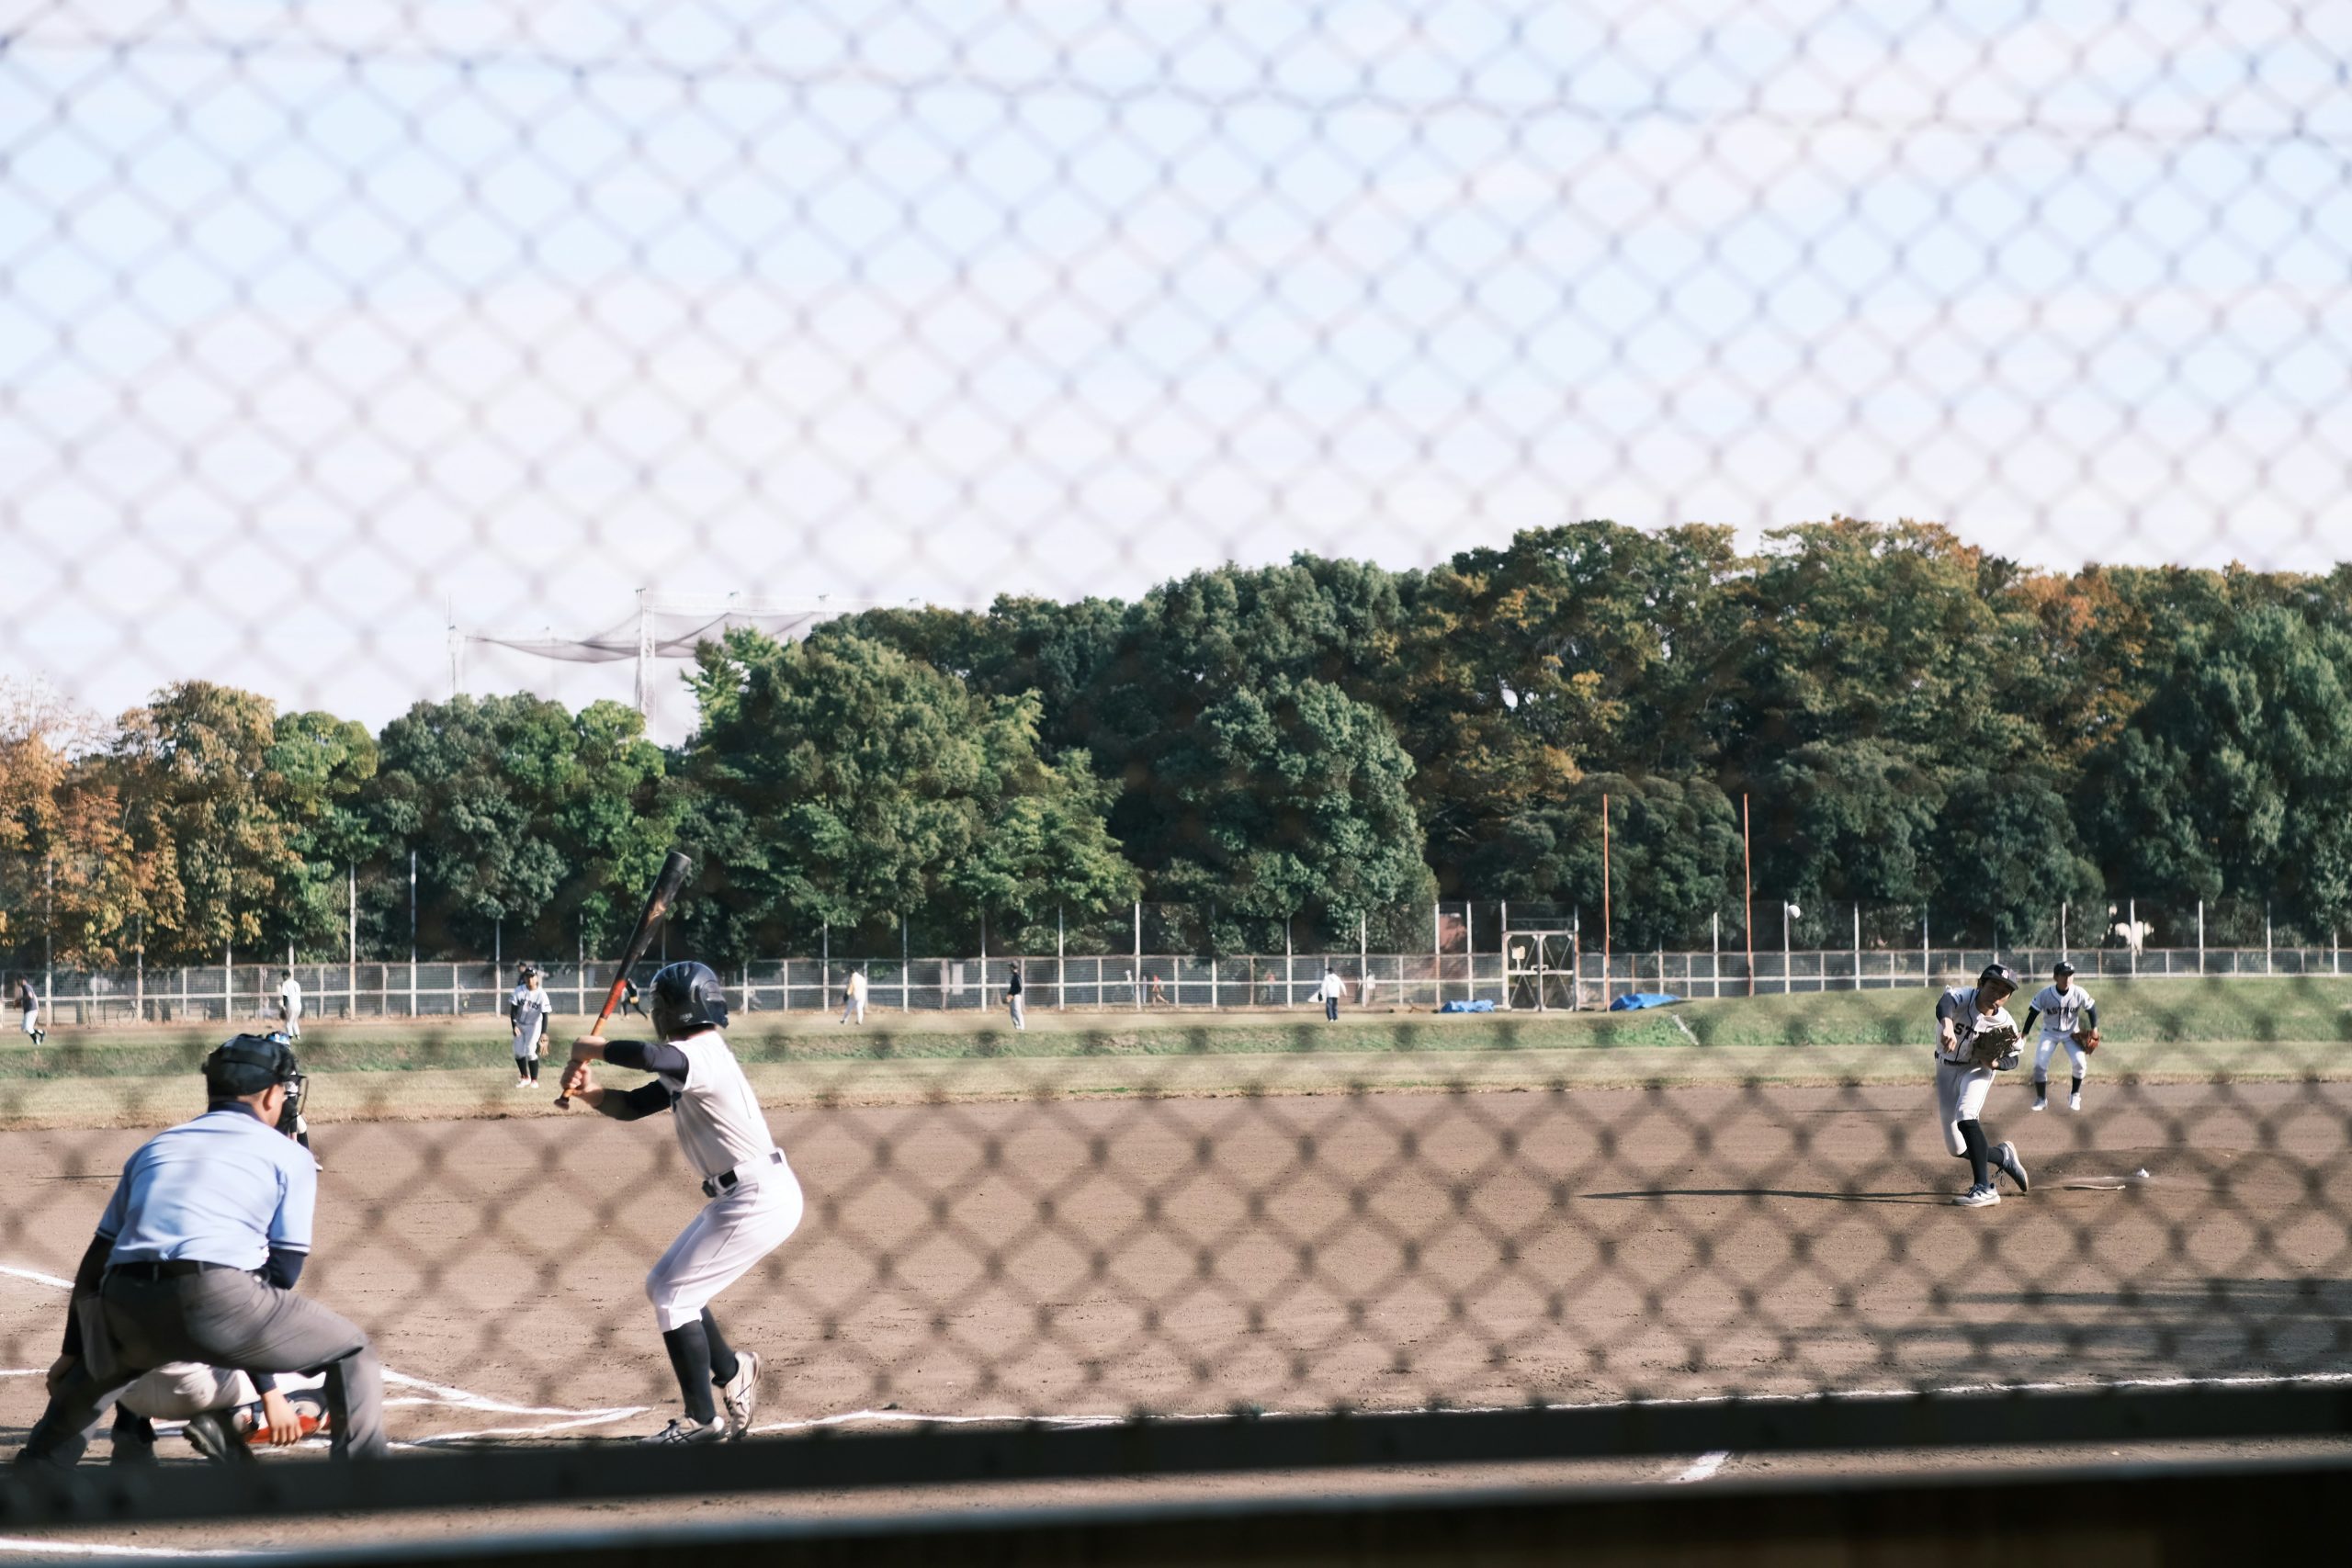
pixel 1330 991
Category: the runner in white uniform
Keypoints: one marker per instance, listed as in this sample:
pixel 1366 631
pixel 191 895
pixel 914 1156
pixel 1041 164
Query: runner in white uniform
pixel 754 1198
pixel 1962 1082
pixel 2065 1010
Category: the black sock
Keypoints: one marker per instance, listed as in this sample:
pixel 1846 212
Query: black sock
pixel 2041 1088
pixel 1980 1157
pixel 535 1069
pixel 2078 1085
pixel 689 1351
pixel 723 1366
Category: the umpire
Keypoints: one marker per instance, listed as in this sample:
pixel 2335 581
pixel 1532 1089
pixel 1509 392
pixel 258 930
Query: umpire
pixel 196 1257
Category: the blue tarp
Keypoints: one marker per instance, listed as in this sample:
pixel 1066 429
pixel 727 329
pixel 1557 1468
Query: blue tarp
pixel 1633 999
pixel 1480 1006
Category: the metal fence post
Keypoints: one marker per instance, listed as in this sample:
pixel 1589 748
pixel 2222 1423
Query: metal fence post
pixel 2132 913
pixel 1138 974
pixel 1716 964
pixel 907 974
pixel 1290 974
pixel 2266 937
pixel 1363 953
pixel 351 939
pixel 1437 951
pixel 1061 996
pixel 1858 945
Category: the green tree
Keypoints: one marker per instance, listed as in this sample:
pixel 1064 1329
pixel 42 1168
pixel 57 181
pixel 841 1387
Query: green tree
pixel 322 767
pixel 521 814
pixel 1275 801
pixel 1852 821
pixel 192 769
pixel 2231 779
pixel 1673 856
pixel 840 782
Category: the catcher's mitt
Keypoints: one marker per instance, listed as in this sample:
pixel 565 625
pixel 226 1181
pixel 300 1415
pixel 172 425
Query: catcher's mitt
pixel 1996 1048
pixel 2087 1039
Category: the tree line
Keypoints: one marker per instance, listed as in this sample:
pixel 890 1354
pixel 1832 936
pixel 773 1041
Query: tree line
pixel 1912 721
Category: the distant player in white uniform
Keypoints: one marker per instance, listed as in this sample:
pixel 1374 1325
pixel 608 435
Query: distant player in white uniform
pixel 1975 1038
pixel 2069 1018
pixel 754 1198
pixel 530 1011
pixel 854 998
pixel 289 1004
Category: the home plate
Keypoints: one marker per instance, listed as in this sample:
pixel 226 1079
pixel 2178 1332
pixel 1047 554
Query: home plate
pixel 2109 1183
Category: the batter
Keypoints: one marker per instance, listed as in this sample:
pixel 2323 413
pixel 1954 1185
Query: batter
pixel 754 1198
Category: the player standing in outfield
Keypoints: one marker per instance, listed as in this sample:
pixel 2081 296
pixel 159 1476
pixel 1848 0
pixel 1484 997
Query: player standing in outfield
pixel 531 1009
pixel 754 1200
pixel 854 998
pixel 2070 1017
pixel 1329 993
pixel 289 1004
pixel 1975 1037
pixel 28 1010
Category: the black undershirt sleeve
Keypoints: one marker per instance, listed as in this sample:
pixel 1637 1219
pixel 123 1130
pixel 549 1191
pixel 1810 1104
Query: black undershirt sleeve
pixel 2030 1014
pixel 645 1099
pixel 285 1267
pixel 646 1056
pixel 2090 1015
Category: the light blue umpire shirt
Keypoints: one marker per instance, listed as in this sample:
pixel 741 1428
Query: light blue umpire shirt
pixel 225 1188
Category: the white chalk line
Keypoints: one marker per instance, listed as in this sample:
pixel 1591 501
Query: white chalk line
pixel 34 1547
pixel 1682 1026
pixel 1701 1468
pixel 36 1277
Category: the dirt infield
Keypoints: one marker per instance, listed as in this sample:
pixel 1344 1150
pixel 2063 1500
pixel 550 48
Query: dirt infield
pixel 1084 1259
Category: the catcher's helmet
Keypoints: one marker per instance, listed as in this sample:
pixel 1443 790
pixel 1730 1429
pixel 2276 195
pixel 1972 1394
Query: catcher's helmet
pixel 2063 971
pixel 248 1063
pixel 1999 979
pixel 686 998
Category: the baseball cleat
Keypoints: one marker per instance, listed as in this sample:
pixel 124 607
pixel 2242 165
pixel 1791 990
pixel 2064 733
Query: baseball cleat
pixel 740 1392
pixel 209 1435
pixel 1978 1197
pixel 2005 1157
pixel 683 1430
pixel 2074 1102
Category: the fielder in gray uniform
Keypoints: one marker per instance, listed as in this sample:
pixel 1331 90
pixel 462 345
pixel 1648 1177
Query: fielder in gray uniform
pixel 1975 1038
pixel 2069 1018
pixel 195 1258
pixel 754 1199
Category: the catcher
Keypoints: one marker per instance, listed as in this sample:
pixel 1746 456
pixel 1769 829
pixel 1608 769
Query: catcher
pixel 1975 1037
pixel 2069 1017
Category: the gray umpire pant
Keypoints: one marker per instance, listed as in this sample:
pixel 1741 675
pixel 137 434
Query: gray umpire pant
pixel 224 1318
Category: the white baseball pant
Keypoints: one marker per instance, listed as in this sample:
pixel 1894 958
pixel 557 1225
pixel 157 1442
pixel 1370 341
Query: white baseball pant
pixel 1960 1096
pixel 733 1232
pixel 2045 1048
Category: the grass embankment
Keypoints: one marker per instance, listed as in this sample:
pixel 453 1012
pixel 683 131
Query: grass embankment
pixel 2154 1031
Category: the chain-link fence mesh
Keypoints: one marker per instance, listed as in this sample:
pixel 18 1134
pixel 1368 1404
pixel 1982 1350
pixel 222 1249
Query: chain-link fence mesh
pixel 1099 488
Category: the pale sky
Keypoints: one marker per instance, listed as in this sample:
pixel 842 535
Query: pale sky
pixel 317 318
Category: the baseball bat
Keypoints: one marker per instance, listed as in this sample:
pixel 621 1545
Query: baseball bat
pixel 666 887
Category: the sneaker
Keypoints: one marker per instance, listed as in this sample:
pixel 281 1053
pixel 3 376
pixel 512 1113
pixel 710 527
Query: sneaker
pixel 739 1394
pixel 2074 1102
pixel 1983 1197
pixel 2005 1158
pixel 2040 1102
pixel 683 1430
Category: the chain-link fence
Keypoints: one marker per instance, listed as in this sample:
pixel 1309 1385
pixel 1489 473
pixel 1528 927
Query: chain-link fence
pixel 1117 488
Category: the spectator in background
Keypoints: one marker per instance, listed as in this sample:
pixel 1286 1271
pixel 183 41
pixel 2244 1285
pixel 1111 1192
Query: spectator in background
pixel 1158 992
pixel 1330 991
pixel 854 998
pixel 1013 996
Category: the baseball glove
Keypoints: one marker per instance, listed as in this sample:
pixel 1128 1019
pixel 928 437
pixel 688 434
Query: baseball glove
pixel 1996 1048
pixel 2087 1039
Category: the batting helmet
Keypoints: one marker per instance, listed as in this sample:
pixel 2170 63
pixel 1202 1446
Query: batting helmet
pixel 686 998
pixel 1999 979
pixel 248 1063
pixel 2063 971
